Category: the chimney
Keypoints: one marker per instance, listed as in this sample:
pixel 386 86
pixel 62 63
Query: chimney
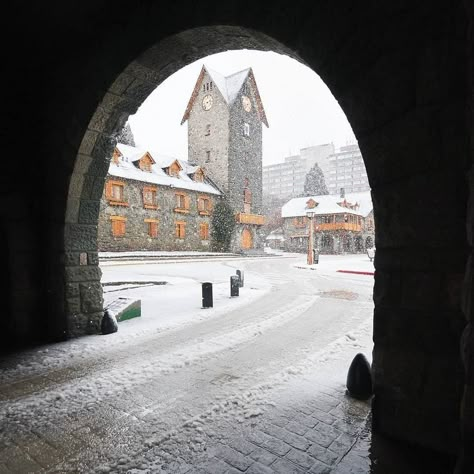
pixel 343 193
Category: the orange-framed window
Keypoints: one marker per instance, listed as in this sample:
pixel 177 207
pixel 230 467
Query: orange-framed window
pixel 181 202
pixel 204 231
pixel 180 229
pixel 150 197
pixel 152 227
pixel 114 192
pixel 118 225
pixel 204 205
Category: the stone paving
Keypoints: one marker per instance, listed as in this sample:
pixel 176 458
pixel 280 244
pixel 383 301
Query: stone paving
pixel 320 431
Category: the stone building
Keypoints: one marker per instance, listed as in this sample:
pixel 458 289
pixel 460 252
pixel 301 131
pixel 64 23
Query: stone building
pixel 225 117
pixel 341 223
pixel 153 202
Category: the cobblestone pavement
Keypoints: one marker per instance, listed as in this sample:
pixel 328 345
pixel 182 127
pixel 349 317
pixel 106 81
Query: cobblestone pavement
pixel 254 391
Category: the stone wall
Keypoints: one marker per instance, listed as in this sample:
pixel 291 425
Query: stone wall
pixel 245 154
pixel 136 236
pixel 217 142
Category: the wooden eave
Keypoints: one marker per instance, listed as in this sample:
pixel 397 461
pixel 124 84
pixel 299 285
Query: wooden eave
pixel 260 109
pixel 195 93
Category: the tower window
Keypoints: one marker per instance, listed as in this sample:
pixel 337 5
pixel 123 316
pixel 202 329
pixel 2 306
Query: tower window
pixel 208 130
pixel 246 129
pixel 208 156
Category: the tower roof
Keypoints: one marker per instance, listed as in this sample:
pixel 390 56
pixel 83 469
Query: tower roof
pixel 229 87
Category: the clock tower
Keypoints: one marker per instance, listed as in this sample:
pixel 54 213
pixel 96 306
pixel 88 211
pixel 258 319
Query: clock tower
pixel 225 116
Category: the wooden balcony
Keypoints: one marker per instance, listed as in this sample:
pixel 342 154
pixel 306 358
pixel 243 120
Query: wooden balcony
pixel 255 219
pixel 338 226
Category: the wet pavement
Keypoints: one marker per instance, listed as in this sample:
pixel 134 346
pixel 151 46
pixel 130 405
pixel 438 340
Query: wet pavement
pixel 259 389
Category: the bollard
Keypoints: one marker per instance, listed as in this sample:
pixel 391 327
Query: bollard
pixel 240 274
pixel 234 285
pixel 359 378
pixel 207 295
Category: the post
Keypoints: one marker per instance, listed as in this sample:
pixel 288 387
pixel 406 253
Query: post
pixel 234 285
pixel 240 274
pixel 310 241
pixel 207 295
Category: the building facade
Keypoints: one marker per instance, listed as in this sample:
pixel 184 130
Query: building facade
pixel 347 171
pixel 225 117
pixel 286 180
pixel 344 168
pixel 341 223
pixel 151 202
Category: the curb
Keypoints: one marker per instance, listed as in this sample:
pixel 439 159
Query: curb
pixel 356 272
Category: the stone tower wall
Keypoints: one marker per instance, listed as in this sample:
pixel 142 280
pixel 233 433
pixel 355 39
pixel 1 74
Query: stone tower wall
pixel 216 142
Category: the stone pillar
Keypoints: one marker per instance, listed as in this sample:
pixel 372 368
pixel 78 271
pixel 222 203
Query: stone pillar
pixel 466 458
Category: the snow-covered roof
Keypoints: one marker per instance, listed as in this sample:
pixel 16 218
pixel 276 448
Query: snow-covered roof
pixel 229 87
pixel 126 169
pixel 329 204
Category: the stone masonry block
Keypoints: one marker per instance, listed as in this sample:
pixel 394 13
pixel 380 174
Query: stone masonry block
pixel 88 142
pixel 72 290
pixel 91 297
pixel 93 258
pixel 89 212
pixel 83 274
pixel 99 119
pixel 80 237
pixel 71 259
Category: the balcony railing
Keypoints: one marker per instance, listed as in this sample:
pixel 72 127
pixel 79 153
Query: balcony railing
pixel 338 226
pixel 243 218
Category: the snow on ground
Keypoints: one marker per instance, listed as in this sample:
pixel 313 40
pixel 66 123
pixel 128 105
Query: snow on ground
pixel 163 307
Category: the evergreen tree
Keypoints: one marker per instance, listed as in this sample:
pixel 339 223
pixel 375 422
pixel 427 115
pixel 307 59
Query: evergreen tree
pixel 314 184
pixel 223 223
pixel 126 136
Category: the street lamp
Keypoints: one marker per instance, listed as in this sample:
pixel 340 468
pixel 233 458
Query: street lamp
pixel 309 215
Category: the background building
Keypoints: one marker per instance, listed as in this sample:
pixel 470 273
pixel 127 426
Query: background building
pixel 344 168
pixel 347 170
pixel 286 180
pixel 341 223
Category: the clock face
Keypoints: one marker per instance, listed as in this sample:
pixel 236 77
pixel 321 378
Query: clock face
pixel 246 103
pixel 207 102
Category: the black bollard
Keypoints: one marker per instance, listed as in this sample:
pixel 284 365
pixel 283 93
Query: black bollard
pixel 240 274
pixel 234 285
pixel 109 323
pixel 207 295
pixel 359 378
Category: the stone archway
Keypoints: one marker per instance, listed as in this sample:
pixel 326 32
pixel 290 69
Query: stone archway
pixel 400 75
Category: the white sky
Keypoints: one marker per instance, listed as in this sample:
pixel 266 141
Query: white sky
pixel 300 109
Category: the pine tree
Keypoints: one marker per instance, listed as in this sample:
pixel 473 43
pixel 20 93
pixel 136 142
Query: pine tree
pixel 223 223
pixel 314 184
pixel 126 136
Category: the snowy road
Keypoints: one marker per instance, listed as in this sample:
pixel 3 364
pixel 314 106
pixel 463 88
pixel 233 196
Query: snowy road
pixel 170 384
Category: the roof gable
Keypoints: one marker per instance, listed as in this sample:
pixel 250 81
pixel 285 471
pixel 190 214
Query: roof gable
pixel 229 87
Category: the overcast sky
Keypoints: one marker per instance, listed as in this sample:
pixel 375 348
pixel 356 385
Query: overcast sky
pixel 300 109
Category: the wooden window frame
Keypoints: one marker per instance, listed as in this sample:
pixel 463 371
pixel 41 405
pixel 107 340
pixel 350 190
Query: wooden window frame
pixel 152 227
pixel 119 226
pixel 154 191
pixel 204 230
pixel 109 185
pixel 180 230
pixel 179 208
pixel 204 205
